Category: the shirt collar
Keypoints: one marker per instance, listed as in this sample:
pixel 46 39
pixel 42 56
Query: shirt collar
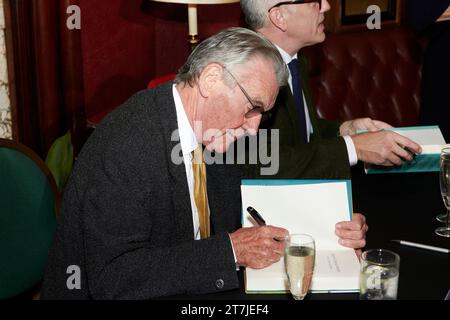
pixel 286 57
pixel 187 136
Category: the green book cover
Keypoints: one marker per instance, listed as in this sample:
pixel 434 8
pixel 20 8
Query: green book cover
pixel 432 142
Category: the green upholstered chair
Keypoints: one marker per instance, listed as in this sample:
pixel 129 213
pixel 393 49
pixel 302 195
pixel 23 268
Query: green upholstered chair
pixel 28 197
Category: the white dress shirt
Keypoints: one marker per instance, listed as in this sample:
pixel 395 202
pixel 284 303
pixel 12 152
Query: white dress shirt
pixel 188 143
pixel 351 150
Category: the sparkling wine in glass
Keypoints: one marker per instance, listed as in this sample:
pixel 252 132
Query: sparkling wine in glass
pixel 444 181
pixel 299 258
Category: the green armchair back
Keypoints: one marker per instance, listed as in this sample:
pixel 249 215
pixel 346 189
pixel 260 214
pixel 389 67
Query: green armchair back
pixel 28 197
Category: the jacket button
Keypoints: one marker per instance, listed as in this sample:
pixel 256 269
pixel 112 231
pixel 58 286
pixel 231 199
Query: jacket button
pixel 220 284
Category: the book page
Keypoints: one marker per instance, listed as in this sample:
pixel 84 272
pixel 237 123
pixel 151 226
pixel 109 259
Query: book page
pixel 333 271
pixel 313 209
pixel 428 149
pixel 423 135
pixel 304 206
pixel 432 142
pixel 430 138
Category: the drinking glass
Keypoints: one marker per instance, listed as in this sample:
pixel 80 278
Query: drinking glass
pixel 299 258
pixel 444 181
pixel 442 217
pixel 378 279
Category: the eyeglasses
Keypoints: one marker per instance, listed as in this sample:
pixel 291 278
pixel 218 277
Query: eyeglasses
pixel 296 2
pixel 256 110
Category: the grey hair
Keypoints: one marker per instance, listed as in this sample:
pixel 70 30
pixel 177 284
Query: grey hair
pixel 230 48
pixel 256 12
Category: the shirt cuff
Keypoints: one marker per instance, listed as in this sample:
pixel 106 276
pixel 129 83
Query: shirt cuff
pixel 351 150
pixel 234 254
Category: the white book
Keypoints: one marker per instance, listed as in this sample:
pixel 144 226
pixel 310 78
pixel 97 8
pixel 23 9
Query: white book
pixel 304 206
pixel 432 142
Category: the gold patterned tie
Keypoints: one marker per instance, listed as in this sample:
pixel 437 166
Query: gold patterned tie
pixel 200 195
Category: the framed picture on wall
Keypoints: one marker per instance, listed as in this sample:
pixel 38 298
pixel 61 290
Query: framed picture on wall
pixel 352 14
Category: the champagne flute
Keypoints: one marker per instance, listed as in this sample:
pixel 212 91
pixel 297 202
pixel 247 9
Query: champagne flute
pixel 299 258
pixel 444 181
pixel 442 217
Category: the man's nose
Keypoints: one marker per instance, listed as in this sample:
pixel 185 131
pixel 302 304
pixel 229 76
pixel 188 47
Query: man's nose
pixel 251 125
pixel 325 6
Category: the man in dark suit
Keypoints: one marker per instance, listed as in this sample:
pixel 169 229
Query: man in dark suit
pixel 136 220
pixel 311 147
pixel 432 19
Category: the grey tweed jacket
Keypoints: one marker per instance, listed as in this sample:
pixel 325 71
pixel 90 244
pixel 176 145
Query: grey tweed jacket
pixel 126 218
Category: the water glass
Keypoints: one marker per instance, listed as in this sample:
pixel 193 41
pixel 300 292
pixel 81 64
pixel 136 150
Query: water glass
pixel 444 181
pixel 378 279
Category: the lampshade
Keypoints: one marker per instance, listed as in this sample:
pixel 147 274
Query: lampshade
pixel 198 1
pixel 192 10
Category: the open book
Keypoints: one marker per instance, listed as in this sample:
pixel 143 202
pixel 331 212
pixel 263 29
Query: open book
pixel 432 142
pixel 304 206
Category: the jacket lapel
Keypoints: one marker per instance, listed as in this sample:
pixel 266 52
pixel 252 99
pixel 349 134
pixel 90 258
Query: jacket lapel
pixel 303 64
pixel 224 197
pixel 290 104
pixel 286 98
pixel 165 107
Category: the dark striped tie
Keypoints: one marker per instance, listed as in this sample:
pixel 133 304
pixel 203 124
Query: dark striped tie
pixel 298 96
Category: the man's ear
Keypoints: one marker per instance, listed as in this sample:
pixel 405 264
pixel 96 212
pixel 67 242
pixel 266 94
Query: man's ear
pixel 277 19
pixel 210 77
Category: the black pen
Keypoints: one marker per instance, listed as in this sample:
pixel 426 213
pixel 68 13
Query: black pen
pixel 255 215
pixel 412 153
pixel 259 220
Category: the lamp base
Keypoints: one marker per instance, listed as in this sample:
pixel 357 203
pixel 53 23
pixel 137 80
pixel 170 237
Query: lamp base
pixel 193 42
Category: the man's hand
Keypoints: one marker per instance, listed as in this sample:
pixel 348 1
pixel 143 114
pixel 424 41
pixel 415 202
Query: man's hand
pixel 385 148
pixel 256 247
pixel 352 234
pixel 445 15
pixel 349 128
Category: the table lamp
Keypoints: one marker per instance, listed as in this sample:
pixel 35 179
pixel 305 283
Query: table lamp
pixel 192 15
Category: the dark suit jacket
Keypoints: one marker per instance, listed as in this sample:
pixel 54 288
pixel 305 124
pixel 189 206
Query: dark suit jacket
pixel 126 219
pixel 324 157
pixel 434 104
pixel 423 14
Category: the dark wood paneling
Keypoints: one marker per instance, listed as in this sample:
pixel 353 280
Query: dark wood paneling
pixel 47 69
pixel 72 75
pixel 45 72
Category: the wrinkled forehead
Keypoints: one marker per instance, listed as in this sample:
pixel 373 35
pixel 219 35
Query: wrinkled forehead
pixel 257 67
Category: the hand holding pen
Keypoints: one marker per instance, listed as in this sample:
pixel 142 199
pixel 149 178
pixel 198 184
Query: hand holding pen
pixel 260 221
pixel 255 247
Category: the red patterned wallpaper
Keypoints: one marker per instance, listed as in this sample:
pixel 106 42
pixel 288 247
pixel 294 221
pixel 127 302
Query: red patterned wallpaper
pixel 125 45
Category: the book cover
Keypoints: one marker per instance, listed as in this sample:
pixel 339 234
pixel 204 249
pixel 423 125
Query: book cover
pixel 432 142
